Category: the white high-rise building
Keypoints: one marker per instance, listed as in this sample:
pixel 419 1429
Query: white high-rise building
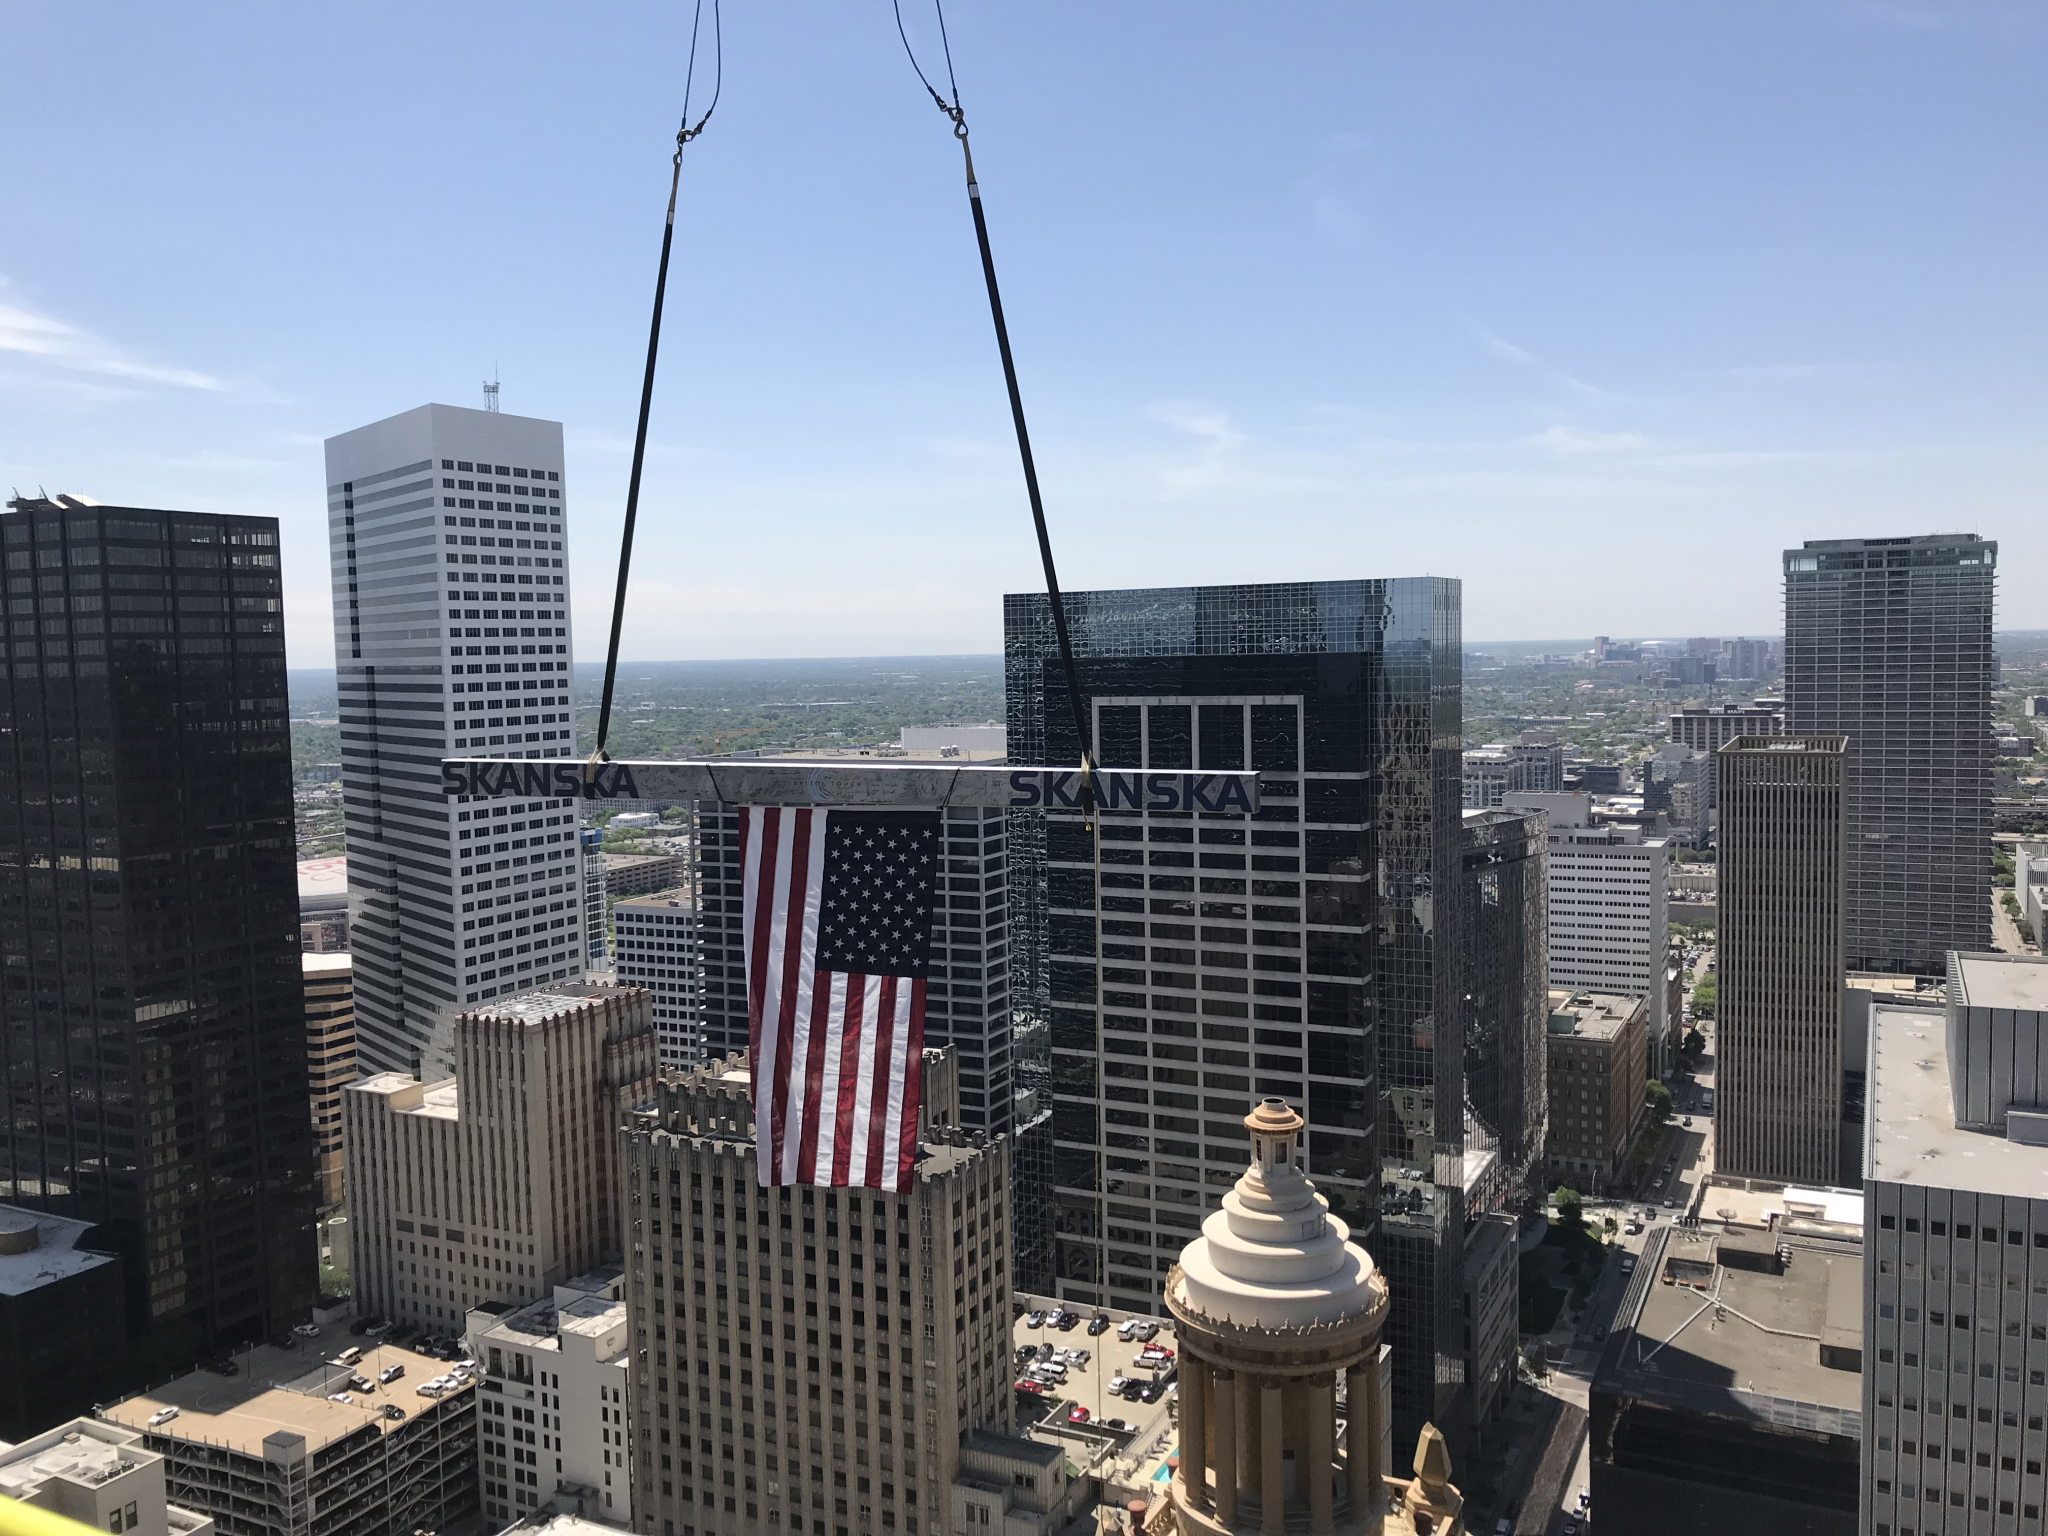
pixel 1610 922
pixel 656 948
pixel 451 638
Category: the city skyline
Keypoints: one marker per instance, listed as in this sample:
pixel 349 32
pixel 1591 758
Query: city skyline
pixel 1448 282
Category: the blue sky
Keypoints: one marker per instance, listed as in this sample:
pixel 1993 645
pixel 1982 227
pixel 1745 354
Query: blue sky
pixel 1597 306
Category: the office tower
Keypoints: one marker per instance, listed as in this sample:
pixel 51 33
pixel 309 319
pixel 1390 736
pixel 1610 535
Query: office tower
pixel 1709 730
pixel 1778 1008
pixel 1888 642
pixel 967 1003
pixel 553 1414
pixel 451 638
pixel 501 1182
pixel 1541 754
pixel 1491 772
pixel 63 1315
pixel 1504 872
pixel 1610 911
pixel 1678 781
pixel 153 1049
pixel 98 1475
pixel 1955 1307
pixel 1293 953
pixel 1598 1049
pixel 656 941
pixel 811 1355
pixel 1748 660
pixel 1031 1159
pixel 330 1062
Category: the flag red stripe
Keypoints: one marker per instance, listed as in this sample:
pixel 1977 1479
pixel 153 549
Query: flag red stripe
pixel 849 1072
pixel 822 1022
pixel 758 833
pixel 913 1086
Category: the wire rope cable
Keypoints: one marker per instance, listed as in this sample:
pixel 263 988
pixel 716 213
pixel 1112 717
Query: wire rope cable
pixel 954 113
pixel 684 134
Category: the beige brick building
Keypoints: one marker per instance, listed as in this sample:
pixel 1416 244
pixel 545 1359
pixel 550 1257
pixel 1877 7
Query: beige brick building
pixel 330 1061
pixel 812 1360
pixel 501 1182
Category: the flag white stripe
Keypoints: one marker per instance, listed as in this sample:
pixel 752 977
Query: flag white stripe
pixel 794 1067
pixel 864 1085
pixel 898 1068
pixel 755 820
pixel 820 1171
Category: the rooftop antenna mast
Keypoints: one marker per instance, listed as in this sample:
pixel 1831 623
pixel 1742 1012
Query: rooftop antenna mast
pixel 491 393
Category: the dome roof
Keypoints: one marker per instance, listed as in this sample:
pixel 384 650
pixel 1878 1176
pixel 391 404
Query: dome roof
pixel 1274 1256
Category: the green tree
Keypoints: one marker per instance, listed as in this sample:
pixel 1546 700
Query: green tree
pixel 1695 1044
pixel 1571 1208
pixel 1703 995
pixel 1658 1097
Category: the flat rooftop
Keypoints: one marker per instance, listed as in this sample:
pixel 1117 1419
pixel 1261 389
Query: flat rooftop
pixel 280 1389
pixel 543 1003
pixel 1913 1138
pixel 55 1255
pixel 1756 1353
pixel 2004 981
pixel 1591 1015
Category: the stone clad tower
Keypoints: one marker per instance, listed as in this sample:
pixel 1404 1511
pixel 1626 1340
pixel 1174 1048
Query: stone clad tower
pixel 1272 1301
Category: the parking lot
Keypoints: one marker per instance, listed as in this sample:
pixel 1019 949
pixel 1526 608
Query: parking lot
pixel 1087 1385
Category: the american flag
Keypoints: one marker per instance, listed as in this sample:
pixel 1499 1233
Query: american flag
pixel 838 944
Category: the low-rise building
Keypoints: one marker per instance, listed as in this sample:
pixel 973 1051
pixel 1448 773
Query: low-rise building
pixel 654 943
pixel 553 1414
pixel 1678 781
pixel 100 1475
pixel 330 1060
pixel 297 1445
pixel 501 1182
pixel 637 874
pixel 1493 1305
pixel 63 1321
pixel 1727 1397
pixel 1491 772
pixel 1598 1067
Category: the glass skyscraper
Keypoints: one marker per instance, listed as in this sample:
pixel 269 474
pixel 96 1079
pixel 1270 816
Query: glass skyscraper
pixel 152 1025
pixel 1888 642
pixel 1186 963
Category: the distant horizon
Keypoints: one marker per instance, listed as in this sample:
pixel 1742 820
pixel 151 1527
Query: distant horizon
pixel 1583 642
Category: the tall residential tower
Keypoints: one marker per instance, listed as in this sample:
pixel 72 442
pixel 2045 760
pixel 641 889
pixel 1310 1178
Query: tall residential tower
pixel 1888 642
pixel 451 638
pixel 152 1035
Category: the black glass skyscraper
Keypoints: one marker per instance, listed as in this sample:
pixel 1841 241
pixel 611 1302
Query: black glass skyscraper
pixel 1188 965
pixel 152 1041
pixel 1504 988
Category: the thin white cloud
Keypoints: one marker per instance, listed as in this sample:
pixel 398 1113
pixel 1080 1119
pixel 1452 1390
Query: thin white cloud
pixel 1213 428
pixel 1507 351
pixel 1578 440
pixel 29 334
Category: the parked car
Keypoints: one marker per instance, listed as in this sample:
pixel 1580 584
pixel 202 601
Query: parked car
pixel 1151 1392
pixel 361 1384
pixel 1077 1414
pixel 393 1411
pixel 1147 1330
pixel 378 1329
pixel 1628 1264
pixel 390 1373
pixel 162 1416
pixel 1118 1382
pixel 1632 1227
pixel 430 1388
pixel 1127 1329
pixel 1067 1321
pixel 340 1397
pixel 1034 1320
pixel 306 1330
pixel 1097 1324
pixel 1030 1386
pixel 1080 1356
